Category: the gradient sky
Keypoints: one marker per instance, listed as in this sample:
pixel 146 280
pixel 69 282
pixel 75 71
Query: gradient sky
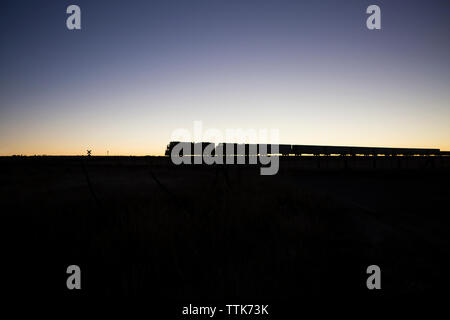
pixel 138 70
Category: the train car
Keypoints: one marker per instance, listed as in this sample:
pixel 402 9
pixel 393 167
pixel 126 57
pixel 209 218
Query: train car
pixel 228 149
pixel 337 150
pixel 299 150
pixel 285 149
pixel 198 148
pixel 189 148
pixel 251 149
pixel 170 146
pixel 234 149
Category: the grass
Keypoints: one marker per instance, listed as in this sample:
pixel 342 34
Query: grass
pixel 193 233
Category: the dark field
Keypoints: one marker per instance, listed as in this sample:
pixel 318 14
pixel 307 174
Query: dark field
pixel 143 226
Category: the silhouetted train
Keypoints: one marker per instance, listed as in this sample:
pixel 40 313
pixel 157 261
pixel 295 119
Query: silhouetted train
pixel 230 149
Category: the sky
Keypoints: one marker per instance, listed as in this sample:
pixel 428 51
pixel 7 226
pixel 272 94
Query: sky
pixel 139 70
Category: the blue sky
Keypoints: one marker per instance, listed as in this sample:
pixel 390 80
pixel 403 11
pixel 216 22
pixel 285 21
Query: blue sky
pixel 138 70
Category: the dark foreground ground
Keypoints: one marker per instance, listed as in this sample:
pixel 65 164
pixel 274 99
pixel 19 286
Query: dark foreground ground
pixel 200 233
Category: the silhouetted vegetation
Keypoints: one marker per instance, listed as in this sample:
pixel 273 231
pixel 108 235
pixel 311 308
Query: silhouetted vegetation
pixel 142 226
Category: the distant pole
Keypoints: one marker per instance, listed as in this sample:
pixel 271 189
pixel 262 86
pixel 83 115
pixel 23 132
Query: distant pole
pixel 107 152
pixel 89 153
